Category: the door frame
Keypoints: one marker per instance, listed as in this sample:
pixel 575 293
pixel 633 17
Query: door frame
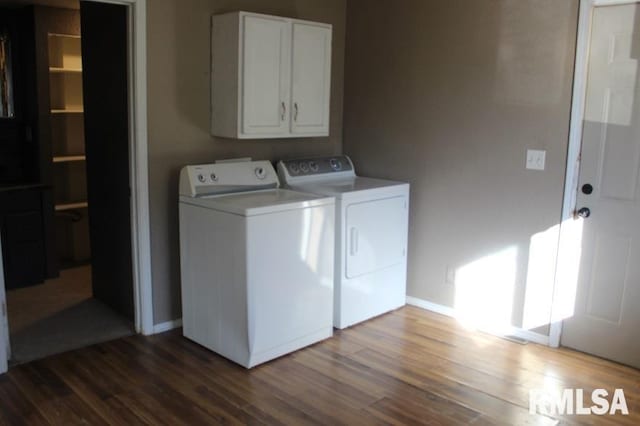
pixel 572 175
pixel 138 163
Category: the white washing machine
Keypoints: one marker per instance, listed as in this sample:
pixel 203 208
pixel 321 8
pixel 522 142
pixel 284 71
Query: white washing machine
pixel 256 262
pixel 371 234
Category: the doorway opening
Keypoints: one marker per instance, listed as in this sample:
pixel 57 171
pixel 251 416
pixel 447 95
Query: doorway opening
pixel 66 219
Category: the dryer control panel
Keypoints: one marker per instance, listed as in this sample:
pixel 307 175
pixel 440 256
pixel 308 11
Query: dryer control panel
pixel 315 169
pixel 226 177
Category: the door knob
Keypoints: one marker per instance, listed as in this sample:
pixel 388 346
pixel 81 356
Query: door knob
pixel 584 212
pixel 587 188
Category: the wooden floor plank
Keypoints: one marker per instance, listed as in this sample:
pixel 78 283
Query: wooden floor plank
pixel 406 367
pixel 55 401
pixel 15 407
pixel 98 390
pixel 426 380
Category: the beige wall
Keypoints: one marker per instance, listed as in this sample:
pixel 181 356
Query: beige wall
pixel 448 95
pixel 178 73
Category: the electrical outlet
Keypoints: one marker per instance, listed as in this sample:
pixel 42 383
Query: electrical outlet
pixel 450 276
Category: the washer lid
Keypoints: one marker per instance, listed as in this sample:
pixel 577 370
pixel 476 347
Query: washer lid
pixel 339 187
pixel 260 202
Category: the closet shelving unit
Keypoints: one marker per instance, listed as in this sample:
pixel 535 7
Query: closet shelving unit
pixel 67 143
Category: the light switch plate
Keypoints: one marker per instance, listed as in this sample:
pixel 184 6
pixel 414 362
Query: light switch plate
pixel 536 159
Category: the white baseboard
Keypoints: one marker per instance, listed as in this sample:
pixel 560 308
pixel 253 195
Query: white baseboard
pixel 528 335
pixel 430 306
pixel 166 326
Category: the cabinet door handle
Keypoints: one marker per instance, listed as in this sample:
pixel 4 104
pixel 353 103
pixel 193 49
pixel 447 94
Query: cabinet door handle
pixel 295 111
pixel 284 111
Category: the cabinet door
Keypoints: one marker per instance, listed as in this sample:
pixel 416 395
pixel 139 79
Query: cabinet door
pixel 265 76
pixel 22 237
pixel 311 83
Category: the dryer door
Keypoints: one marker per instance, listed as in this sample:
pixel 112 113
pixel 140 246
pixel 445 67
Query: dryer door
pixel 376 235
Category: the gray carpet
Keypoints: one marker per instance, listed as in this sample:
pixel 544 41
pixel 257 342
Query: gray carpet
pixel 60 316
pixel 84 324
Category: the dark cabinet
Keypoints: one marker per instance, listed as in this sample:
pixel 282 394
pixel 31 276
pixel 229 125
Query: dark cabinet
pixel 22 228
pixel 26 201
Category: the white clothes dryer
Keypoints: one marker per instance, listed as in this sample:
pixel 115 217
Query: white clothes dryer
pixel 371 234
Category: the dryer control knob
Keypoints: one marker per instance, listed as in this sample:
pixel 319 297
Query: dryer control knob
pixel 202 178
pixel 260 173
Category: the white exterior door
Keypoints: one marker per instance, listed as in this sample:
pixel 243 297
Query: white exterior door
pixel 5 348
pixel 606 317
pixel 266 75
pixel 311 84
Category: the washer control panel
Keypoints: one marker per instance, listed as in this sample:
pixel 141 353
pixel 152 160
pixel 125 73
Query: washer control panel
pixel 316 166
pixel 225 177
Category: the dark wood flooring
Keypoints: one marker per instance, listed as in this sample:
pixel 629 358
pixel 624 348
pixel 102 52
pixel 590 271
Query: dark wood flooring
pixel 407 367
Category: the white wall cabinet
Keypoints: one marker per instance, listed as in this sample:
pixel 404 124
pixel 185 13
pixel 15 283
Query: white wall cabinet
pixel 270 77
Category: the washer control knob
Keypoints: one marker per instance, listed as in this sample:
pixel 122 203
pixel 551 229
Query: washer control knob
pixel 214 177
pixel 335 164
pixel 294 169
pixel 313 166
pixel 304 167
pixel 260 173
pixel 202 178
